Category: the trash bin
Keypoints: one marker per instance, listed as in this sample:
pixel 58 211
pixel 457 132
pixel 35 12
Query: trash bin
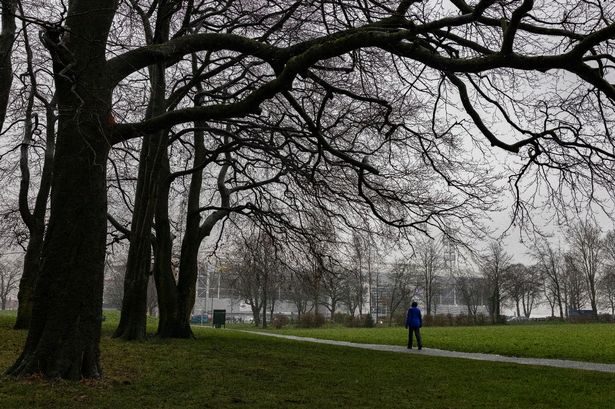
pixel 219 318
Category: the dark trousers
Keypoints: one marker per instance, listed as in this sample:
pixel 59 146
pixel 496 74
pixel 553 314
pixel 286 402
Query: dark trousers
pixel 417 332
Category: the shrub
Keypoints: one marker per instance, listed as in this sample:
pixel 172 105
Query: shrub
pixel 582 319
pixel 369 321
pixel 341 318
pixel 463 319
pixel 400 319
pixel 279 321
pixel 586 319
pixel 311 320
pixel 447 320
pixel 355 322
pixel 500 319
pixel 481 319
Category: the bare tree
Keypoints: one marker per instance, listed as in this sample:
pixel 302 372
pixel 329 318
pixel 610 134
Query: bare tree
pixel 404 283
pixel 515 281
pixel 609 246
pixel 244 275
pixel 34 214
pixel 522 286
pixel 255 271
pixel 429 264
pixel 493 267
pixel 7 37
pixel 366 258
pixel 606 285
pixel 114 283
pixel 296 291
pixel 332 288
pixel 152 297
pixel 9 281
pixel 472 289
pixel 549 263
pixel 360 283
pixel 587 255
pixel 575 284
pixel 353 285
pixel 321 240
pixel 360 95
pixel 151 168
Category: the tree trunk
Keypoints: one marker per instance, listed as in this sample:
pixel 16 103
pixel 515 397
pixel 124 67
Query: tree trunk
pixel 317 292
pixel 256 313
pixel 166 289
pixel 179 300
pixel 188 263
pixel 169 325
pixel 64 336
pixel 29 276
pixel 133 317
pixel 428 300
pixel 592 297
pixel 559 303
pixel 272 309
pixel 35 221
pixel 132 324
pixel 7 37
pixel 265 305
pixel 65 327
pixel 187 284
pixel 193 237
pixel 66 318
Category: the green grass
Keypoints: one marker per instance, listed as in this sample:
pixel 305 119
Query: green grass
pixel 230 369
pixel 581 342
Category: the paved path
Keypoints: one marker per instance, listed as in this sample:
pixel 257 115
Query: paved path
pixel 558 363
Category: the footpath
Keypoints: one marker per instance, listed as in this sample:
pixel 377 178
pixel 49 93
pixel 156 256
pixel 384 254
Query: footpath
pixel 558 363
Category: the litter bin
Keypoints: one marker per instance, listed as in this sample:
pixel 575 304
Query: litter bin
pixel 219 318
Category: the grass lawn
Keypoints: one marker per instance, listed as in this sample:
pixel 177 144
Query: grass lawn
pixel 229 369
pixel 581 342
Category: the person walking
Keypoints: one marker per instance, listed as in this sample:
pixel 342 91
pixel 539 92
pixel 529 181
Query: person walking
pixel 414 322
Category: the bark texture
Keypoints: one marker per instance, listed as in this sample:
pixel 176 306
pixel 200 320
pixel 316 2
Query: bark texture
pixel 7 37
pixel 63 341
pixel 138 270
pixel 34 219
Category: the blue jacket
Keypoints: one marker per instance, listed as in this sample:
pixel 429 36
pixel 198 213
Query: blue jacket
pixel 414 318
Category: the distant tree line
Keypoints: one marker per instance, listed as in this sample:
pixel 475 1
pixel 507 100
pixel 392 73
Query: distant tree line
pixel 581 276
